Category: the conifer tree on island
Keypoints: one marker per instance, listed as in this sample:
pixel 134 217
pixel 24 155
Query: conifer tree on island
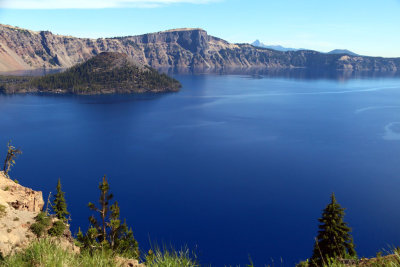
pixel 59 205
pixel 334 239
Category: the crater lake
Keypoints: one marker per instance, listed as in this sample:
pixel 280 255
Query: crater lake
pixel 232 166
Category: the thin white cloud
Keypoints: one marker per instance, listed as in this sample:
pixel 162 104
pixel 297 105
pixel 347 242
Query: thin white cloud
pixel 92 4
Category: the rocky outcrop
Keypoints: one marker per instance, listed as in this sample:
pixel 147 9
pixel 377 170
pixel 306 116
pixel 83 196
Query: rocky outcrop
pixel 20 205
pixel 19 197
pixel 181 49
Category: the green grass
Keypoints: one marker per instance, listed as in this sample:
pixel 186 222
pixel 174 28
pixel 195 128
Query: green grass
pixel 98 258
pixel 391 260
pixel 47 254
pixel 171 258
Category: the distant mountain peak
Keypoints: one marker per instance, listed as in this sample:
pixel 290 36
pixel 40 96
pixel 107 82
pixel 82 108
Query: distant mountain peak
pixel 257 43
pixel 343 51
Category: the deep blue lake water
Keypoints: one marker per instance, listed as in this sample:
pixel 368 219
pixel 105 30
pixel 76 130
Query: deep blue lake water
pixel 233 166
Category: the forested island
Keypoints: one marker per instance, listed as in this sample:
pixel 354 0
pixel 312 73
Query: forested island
pixel 106 73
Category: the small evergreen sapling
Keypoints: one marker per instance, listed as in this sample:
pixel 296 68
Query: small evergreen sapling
pixel 107 232
pixel 103 211
pixel 57 229
pixel 334 239
pixel 121 237
pixel 59 205
pixel 88 241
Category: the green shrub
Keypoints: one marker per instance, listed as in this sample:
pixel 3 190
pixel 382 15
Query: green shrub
pixel 41 224
pixel 6 188
pixel 37 229
pixel 57 229
pixel 42 218
pixel 3 211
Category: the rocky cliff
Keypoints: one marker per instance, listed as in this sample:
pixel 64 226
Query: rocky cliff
pixel 18 207
pixel 190 49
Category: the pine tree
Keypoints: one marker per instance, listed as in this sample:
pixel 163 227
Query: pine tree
pixel 59 204
pixel 104 209
pixel 108 232
pixel 120 236
pixel 88 241
pixel 334 239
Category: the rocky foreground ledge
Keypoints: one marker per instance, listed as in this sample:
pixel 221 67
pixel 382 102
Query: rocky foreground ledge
pixel 18 207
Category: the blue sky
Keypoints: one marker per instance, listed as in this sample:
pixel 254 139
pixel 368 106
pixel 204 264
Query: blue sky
pixel 368 27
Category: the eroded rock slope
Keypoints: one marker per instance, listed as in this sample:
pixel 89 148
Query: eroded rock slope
pixel 192 49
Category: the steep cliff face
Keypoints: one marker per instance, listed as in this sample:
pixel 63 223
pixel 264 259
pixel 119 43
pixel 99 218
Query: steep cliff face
pixel 193 49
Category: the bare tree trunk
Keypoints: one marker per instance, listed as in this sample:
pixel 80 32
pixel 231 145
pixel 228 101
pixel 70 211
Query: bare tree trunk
pixel 8 168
